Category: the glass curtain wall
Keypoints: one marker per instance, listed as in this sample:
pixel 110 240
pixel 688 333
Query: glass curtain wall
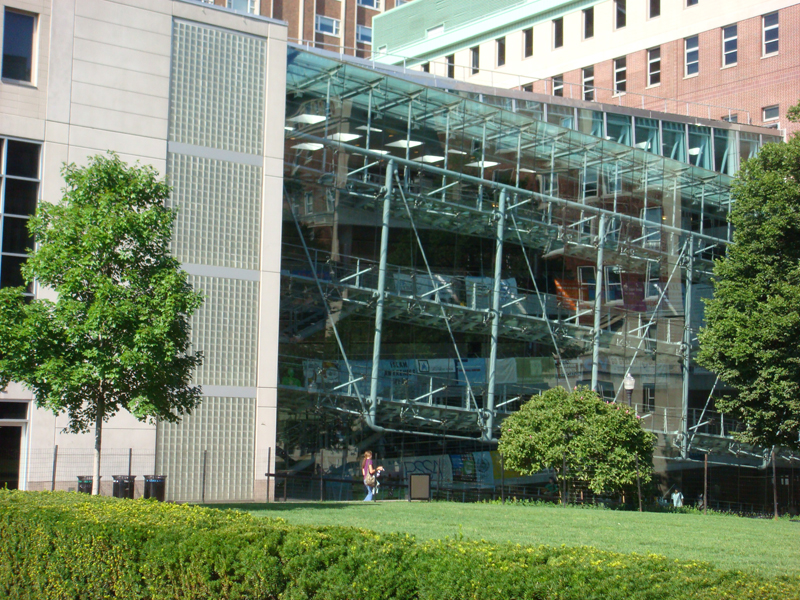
pixel 441 263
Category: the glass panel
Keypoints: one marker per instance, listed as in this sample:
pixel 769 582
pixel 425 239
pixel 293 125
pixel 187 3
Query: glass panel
pixel 20 196
pixel 18 46
pixel 10 275
pixel 647 135
pixel 561 115
pixel 15 235
pixel 23 159
pixel 13 410
pixel 674 145
pixel 748 146
pixel 700 146
pixel 618 128
pixel 590 122
pixel 725 151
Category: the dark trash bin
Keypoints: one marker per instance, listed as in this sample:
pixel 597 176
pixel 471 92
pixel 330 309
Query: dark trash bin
pixel 85 484
pixel 123 486
pixel 155 486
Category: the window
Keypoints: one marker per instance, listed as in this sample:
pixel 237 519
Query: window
pixel 19 186
pixel 770 27
pixel 655 8
pixel 653 289
pixel 588 23
pixel 692 2
pixel 426 67
pixel 620 14
pixel 730 118
pixel 327 25
pixel 692 55
pixel 451 65
pixel 586 280
pixel 588 84
pixel 729 45
pixel 501 51
pixel 770 113
pixel 18 37
pixel 364 34
pixel 648 396
pixel 374 4
pixel 527 42
pixel 245 6
pixel 558 32
pixel 620 75
pixel 590 182
pixel 558 85
pixel 475 58
pixel 308 198
pixel 613 284
pixel 528 87
pixel 654 66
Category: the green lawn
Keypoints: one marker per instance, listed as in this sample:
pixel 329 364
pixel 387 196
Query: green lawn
pixel 755 545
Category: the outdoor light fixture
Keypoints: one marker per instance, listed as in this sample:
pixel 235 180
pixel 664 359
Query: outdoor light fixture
pixel 308 146
pixel 404 144
pixel 482 163
pixel 307 119
pixel 628 384
pixel 343 137
pixel 429 159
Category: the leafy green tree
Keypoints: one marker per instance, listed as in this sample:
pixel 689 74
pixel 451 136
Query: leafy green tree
pixel 753 320
pixel 117 334
pixel 578 435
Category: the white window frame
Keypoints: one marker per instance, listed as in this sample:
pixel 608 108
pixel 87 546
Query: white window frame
pixel 620 8
pixel 764 110
pixel 527 35
pixel 648 397
pixel 650 5
pixel 500 51
pixel 34 44
pixel 590 182
pixel 653 280
pixel 585 13
pixel 373 4
pixel 335 25
pixel 690 61
pixel 558 85
pixel 764 29
pixel 251 6
pixel 587 285
pixel 727 37
pixel 558 32
pixel 475 60
pixel 587 76
pixel 653 66
pixel 620 75
pixel 308 203
pixel 613 286
pixel 360 37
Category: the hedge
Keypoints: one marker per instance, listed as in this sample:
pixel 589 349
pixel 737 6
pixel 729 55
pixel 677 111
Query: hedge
pixel 58 545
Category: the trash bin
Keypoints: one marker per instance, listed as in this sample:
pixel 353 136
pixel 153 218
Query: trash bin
pixel 155 486
pixel 123 486
pixel 85 484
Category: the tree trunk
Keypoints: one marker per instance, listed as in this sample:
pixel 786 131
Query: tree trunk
pixel 98 439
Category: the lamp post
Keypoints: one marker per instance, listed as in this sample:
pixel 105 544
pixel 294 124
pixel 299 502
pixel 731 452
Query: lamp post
pixel 628 384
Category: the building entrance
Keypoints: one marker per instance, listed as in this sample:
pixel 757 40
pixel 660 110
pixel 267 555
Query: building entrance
pixel 10 450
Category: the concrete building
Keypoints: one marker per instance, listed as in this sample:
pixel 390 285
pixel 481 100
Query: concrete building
pixel 343 26
pixel 691 57
pixel 390 259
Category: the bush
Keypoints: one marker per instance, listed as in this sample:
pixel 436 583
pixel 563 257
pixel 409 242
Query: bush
pixel 65 545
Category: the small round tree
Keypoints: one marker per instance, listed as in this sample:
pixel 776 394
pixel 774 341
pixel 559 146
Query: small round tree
pixel 598 443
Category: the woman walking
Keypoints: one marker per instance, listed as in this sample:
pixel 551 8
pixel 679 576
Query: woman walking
pixel 369 472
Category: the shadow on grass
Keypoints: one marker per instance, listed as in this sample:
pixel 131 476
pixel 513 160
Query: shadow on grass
pixel 278 507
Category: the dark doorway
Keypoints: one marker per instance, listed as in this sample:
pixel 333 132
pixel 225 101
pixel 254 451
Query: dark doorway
pixel 10 448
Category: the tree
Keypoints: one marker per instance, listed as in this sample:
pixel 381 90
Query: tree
pixel 117 336
pixel 752 328
pixel 602 444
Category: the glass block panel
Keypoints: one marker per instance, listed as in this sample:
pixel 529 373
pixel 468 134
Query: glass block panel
pixel 218 88
pixel 219 211
pixel 225 328
pixel 219 436
pixel 20 196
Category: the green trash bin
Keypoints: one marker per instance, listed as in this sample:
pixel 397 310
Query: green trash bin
pixel 85 484
pixel 123 486
pixel 155 486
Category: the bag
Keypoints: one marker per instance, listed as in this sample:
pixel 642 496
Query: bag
pixel 370 481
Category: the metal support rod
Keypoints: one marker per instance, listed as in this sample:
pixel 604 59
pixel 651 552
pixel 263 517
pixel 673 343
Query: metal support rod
pixel 376 348
pixel 598 300
pixel 130 460
pixel 321 477
pixel 55 464
pixel 638 482
pixel 502 478
pixel 687 345
pixel 705 483
pixel 269 470
pixel 203 484
pixel 498 271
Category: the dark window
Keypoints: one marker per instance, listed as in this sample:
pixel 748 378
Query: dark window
pixel 588 84
pixel 620 14
pixel 770 26
pixel 654 66
pixel 692 55
pixel 655 8
pixel 527 35
pixel 558 85
pixel 692 2
pixel 20 196
pixel 475 54
pixel 501 51
pixel 648 396
pixel 588 23
pixel 730 44
pixel 451 66
pixel 23 159
pixel 13 410
pixel 528 87
pixel 426 67
pixel 18 31
pixel 620 75
pixel 558 32
pixel 15 235
pixel 771 112
pixel 10 275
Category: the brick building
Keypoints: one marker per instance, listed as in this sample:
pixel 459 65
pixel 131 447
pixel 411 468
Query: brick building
pixel 337 25
pixel 682 56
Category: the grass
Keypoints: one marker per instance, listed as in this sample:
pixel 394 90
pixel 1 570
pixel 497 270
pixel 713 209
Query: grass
pixel 771 548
